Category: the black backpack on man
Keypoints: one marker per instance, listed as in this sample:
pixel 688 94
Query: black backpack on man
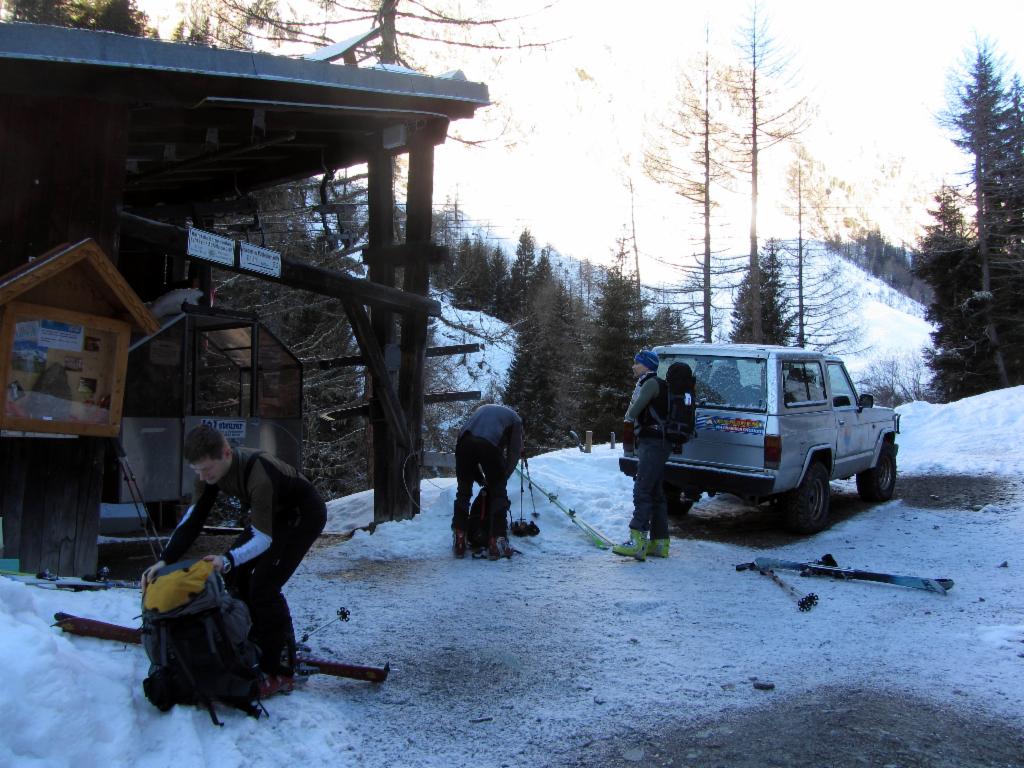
pixel 677 399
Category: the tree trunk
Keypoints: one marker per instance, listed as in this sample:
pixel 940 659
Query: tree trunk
pixel 981 177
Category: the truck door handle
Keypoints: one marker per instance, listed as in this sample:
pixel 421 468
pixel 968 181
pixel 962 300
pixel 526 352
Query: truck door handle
pixel 842 422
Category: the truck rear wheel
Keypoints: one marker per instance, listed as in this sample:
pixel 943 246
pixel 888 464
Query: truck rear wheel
pixel 806 506
pixel 879 482
pixel 677 504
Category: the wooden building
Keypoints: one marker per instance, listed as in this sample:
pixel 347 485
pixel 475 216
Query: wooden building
pixel 122 139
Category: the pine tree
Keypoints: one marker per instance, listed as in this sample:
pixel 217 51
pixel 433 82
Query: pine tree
pixel 616 337
pixel 980 114
pixel 521 274
pixel 778 321
pixel 497 270
pixel 947 258
pixel 107 15
pixel 667 326
pixel 542 364
pixel 472 287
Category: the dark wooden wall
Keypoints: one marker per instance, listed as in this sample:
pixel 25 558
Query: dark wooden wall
pixel 62 169
pixel 50 500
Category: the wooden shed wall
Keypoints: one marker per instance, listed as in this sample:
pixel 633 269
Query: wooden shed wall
pixel 56 187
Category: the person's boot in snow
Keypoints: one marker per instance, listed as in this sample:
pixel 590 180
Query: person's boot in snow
pixel 459 543
pixel 287 683
pixel 271 684
pixel 635 547
pixel 657 548
pixel 498 548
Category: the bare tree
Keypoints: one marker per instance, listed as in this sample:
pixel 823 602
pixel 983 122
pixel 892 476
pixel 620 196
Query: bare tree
pixel 756 88
pixel 689 151
pixel 831 303
pixel 897 380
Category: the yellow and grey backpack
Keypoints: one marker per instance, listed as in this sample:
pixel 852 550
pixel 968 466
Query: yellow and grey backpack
pixel 197 638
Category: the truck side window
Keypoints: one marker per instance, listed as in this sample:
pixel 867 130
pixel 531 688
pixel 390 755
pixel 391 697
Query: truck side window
pixel 840 384
pixel 802 383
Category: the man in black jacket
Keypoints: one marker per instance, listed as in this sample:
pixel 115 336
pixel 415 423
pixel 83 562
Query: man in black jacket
pixel 489 446
pixel 287 515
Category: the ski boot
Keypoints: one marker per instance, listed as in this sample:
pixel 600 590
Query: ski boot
pixel 459 543
pixel 657 548
pixel 635 547
pixel 271 684
pixel 498 548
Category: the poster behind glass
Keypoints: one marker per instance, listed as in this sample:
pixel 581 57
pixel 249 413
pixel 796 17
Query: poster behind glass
pixel 60 371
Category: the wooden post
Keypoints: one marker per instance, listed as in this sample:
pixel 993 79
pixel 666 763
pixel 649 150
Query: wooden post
pixel 384 455
pixel 419 202
pixel 611 441
pixel 588 441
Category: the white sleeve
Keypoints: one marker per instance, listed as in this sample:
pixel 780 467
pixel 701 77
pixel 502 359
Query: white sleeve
pixel 253 548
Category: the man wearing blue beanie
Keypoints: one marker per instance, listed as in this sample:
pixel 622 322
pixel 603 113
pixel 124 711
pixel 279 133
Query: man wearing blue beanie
pixel 650 514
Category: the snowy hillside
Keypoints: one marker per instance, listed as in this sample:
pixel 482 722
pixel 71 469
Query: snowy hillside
pixel 485 370
pixel 535 660
pixel 885 323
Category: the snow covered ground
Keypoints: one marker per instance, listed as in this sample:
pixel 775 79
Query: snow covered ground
pixel 525 661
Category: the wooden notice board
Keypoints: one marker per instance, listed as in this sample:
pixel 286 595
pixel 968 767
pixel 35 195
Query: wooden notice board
pixel 65 325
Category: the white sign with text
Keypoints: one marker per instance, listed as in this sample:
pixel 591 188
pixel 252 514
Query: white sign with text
pixel 210 247
pixel 257 259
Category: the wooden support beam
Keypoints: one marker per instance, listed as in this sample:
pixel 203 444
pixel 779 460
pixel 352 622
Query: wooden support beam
pixel 404 254
pixel 208 158
pixel 203 210
pixel 294 274
pixel 350 360
pixel 383 389
pixel 363 409
pixel 419 219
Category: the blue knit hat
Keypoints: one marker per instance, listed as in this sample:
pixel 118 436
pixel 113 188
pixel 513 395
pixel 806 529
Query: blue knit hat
pixel 648 359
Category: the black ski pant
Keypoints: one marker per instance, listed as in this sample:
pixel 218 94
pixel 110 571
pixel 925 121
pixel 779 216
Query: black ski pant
pixel 474 457
pixel 258 583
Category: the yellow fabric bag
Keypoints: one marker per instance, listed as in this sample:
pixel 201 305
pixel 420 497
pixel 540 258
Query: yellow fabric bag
pixel 177 587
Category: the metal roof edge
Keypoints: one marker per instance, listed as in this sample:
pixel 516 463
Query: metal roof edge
pixel 37 42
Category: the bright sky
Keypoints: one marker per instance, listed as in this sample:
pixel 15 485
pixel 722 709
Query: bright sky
pixel 572 133
pixel 878 72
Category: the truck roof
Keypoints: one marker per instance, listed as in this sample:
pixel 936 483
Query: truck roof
pixel 733 350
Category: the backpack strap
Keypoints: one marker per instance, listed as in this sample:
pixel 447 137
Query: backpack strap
pixel 185 670
pixel 657 421
pixel 246 473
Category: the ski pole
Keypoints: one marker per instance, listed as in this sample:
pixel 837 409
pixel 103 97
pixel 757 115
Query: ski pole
pixel 148 528
pixel 343 615
pixel 803 602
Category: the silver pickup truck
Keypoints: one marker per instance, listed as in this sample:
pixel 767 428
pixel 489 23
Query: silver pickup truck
pixel 776 424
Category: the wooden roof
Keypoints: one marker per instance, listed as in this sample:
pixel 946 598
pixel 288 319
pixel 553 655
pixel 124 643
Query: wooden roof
pixel 206 123
pixel 78 277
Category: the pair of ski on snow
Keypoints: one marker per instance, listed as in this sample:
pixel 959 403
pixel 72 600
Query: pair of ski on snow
pixel 827 566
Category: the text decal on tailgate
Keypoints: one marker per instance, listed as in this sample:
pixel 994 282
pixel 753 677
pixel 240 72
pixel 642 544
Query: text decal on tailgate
pixel 730 424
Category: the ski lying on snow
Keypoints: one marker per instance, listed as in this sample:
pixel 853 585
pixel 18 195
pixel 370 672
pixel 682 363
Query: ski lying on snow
pixel 78 625
pixel 48 581
pixel 599 539
pixel 940 586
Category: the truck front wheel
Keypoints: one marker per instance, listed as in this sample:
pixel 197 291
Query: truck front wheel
pixel 879 482
pixel 806 506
